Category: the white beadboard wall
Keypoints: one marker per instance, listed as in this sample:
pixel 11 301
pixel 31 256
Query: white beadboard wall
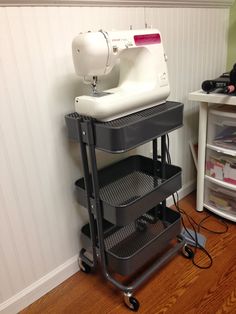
pixel 39 217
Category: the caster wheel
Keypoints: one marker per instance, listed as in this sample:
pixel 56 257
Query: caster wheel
pixel 131 303
pixel 187 252
pixel 179 238
pixel 84 267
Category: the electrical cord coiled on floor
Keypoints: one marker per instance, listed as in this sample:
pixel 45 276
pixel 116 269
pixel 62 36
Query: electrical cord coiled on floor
pixel 196 226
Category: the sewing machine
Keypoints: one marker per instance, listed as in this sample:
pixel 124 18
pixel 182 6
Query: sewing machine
pixel 143 76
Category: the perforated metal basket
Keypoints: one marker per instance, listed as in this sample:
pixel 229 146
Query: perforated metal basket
pixel 130 131
pixel 129 188
pixel 129 248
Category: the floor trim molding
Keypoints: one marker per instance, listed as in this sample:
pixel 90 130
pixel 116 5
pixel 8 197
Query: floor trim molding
pixel 36 290
pixel 184 191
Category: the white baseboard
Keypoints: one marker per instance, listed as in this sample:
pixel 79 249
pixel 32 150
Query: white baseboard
pixel 184 191
pixel 33 292
pixel 60 274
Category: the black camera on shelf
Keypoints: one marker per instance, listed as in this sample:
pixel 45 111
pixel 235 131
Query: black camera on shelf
pixel 226 83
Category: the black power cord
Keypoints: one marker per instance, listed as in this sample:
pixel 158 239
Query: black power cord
pixel 196 226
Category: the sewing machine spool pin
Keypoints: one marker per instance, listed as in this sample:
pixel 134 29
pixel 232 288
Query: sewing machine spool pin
pixel 94 84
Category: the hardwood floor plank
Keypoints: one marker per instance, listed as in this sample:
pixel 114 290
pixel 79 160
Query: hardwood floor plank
pixel 177 288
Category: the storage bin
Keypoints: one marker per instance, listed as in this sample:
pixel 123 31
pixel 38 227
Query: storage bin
pixel 128 248
pixel 220 198
pixel 131 187
pixel 221 166
pixel 222 127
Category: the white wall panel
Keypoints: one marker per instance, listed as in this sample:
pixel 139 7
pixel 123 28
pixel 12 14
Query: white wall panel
pixel 39 217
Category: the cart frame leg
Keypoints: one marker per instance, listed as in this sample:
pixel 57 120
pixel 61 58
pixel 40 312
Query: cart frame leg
pixel 97 210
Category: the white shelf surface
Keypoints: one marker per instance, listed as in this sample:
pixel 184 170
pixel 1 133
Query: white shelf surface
pixel 216 98
pixel 221 183
pixel 225 214
pixel 222 150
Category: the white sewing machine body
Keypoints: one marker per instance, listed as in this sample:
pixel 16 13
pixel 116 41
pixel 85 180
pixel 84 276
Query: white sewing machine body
pixel 143 80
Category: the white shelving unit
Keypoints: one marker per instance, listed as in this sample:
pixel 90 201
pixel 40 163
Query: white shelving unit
pixel 206 145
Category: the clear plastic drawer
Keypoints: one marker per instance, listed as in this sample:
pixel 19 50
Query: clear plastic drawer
pixel 221 166
pixel 222 127
pixel 220 198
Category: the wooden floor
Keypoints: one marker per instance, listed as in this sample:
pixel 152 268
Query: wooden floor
pixel 178 288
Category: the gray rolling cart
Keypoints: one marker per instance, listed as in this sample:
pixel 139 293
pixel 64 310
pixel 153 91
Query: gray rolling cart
pixel 130 228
